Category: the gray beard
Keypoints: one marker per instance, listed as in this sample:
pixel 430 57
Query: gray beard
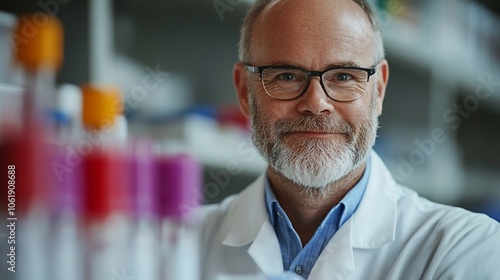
pixel 313 164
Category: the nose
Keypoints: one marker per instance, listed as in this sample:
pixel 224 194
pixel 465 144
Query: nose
pixel 315 101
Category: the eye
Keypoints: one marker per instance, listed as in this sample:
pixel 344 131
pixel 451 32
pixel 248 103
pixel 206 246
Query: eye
pixel 286 77
pixel 342 77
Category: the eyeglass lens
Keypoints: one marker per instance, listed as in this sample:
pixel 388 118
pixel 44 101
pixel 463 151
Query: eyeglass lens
pixel 339 84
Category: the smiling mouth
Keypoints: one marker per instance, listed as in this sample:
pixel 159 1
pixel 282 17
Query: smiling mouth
pixel 315 134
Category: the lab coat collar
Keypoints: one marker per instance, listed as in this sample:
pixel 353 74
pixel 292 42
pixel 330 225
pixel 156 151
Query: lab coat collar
pixel 247 214
pixel 379 202
pixel 250 223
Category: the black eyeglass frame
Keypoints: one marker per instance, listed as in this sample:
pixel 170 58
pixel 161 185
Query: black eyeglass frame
pixel 259 69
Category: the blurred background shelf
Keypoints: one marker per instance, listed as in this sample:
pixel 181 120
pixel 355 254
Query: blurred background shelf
pixel 441 55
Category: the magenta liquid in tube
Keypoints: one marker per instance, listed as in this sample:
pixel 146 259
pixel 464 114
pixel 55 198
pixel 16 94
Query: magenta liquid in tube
pixel 66 245
pixel 145 258
pixel 180 187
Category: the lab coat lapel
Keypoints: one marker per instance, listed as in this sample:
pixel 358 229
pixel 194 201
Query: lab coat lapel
pixel 250 224
pixel 374 222
pixel 337 259
pixel 371 226
pixel 266 252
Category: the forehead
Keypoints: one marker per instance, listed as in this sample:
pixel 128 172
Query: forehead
pixel 312 34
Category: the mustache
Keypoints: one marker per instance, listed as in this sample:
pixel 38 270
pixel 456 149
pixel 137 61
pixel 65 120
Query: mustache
pixel 323 124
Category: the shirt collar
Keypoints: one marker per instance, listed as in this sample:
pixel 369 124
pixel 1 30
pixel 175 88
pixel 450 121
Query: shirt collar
pixel 350 201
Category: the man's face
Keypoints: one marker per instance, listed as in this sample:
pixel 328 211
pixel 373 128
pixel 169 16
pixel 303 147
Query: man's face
pixel 313 140
pixel 312 151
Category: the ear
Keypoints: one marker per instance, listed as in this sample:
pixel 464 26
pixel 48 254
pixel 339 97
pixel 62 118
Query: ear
pixel 241 84
pixel 382 79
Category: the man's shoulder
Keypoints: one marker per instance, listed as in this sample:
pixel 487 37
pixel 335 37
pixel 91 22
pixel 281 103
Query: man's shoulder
pixel 412 216
pixel 456 242
pixel 212 213
pixel 444 224
pixel 410 203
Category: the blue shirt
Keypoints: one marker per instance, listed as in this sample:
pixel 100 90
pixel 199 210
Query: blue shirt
pixel 301 260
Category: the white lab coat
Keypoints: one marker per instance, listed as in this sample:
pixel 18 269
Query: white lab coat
pixel 394 234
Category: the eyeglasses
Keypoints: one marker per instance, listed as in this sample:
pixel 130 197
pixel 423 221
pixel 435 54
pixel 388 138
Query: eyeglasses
pixel 289 82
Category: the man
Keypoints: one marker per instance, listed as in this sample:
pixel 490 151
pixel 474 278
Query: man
pixel 312 78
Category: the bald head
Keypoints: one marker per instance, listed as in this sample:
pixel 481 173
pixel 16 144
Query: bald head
pixel 317 21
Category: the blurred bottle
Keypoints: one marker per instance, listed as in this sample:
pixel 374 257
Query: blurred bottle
pixel 66 246
pixel 106 187
pixel 107 221
pixel 67 115
pixel 145 251
pixel 37 48
pixel 180 187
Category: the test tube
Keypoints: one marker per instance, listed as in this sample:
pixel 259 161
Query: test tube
pixel 145 259
pixel 66 244
pixel 180 183
pixel 106 187
pixel 39 55
pixel 107 223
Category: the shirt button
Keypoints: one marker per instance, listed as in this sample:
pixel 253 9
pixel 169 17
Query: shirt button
pixel 298 270
pixel 279 215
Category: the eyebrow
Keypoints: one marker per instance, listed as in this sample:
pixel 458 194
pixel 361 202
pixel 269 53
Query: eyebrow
pixel 346 63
